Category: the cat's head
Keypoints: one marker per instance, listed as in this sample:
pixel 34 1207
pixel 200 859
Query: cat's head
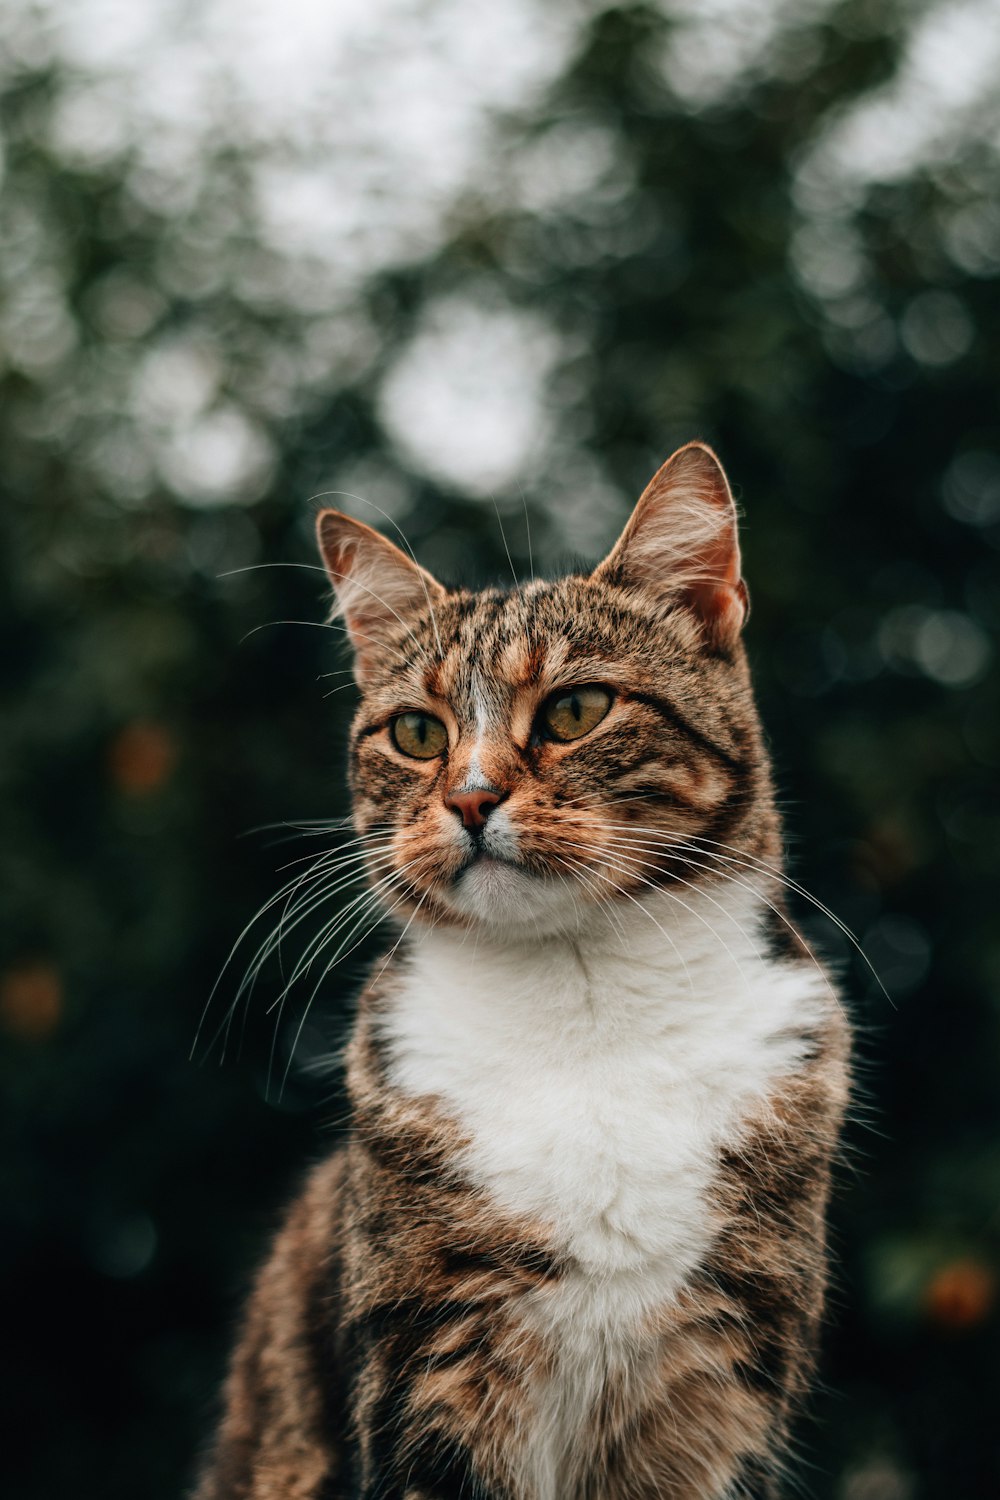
pixel 523 757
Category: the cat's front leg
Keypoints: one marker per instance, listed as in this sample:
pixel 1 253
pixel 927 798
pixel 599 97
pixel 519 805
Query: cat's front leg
pixel 737 1345
pixel 417 1436
pixel 280 1432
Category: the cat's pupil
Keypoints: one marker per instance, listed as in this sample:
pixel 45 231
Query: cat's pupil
pixel 422 729
pixel 574 705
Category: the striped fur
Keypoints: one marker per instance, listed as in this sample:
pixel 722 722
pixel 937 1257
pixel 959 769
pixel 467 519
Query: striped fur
pixel 573 1247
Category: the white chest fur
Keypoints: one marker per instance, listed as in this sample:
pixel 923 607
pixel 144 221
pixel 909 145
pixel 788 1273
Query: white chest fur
pixel 596 1080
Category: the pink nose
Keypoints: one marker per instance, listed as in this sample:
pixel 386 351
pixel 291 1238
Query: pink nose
pixel 472 805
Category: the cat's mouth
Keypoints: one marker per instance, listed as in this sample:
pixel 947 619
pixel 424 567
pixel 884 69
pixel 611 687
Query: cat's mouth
pixel 482 858
pixel 506 893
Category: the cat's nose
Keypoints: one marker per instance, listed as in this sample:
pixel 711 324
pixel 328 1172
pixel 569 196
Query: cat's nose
pixel 473 806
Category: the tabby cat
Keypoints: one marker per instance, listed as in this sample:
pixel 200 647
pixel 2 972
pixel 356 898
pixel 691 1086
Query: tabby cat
pixel 573 1246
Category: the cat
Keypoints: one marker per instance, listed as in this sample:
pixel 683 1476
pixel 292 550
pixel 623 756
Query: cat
pixel 573 1247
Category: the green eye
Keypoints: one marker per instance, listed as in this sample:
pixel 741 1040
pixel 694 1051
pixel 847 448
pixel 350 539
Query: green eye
pixel 571 715
pixel 419 735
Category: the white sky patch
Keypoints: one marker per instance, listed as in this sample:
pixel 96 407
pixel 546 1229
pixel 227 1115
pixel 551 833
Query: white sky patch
pixel 366 117
pixel 573 162
pixel 718 44
pixel 465 400
pixel 945 89
pixel 176 380
pixel 943 96
pixel 390 104
pixel 359 127
pixel 220 457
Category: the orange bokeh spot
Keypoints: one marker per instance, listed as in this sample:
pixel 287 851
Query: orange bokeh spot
pixel 31 1001
pixel 141 758
pixel 961 1294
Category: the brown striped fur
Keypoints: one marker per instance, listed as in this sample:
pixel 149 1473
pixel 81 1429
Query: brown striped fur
pixel 388 1350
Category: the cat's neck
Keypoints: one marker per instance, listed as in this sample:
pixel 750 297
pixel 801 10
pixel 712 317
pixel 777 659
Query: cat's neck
pixel 646 966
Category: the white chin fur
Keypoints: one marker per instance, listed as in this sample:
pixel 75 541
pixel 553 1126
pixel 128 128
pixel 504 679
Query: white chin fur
pixel 502 896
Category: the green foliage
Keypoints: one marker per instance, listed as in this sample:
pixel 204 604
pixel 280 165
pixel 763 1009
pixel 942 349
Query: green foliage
pixel 175 389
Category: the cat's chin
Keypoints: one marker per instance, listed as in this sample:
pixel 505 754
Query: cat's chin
pixel 509 899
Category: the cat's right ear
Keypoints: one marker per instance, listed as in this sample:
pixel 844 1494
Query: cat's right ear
pixel 378 588
pixel 680 545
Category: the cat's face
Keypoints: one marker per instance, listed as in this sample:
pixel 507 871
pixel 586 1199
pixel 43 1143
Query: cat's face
pixel 523 758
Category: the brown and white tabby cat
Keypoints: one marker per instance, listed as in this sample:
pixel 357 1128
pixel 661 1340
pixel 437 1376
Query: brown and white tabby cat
pixel 573 1247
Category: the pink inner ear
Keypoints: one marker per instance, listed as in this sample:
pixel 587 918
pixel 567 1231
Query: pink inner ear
pixel 724 610
pixel 721 598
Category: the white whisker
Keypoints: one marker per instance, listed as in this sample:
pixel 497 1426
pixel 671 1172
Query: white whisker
pixel 753 863
pixel 686 852
pixel 699 916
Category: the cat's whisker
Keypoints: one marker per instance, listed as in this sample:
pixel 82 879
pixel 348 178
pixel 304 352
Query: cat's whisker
pixel 506 548
pixel 602 875
pixel 362 918
pixel 327 864
pixel 294 835
pixel 598 800
pixel 354 915
pixel 355 847
pixel 527 529
pixel 668 853
pixel 257 567
pixel 333 871
pixel 305 825
pixel 330 884
pixel 583 875
pixel 309 902
pixel 355 635
pixel 317 943
pixel 291 890
pixel 686 852
pixel 342 952
pixel 529 598
pixel 372 866
pixel 273 900
pixel 753 862
pixel 248 982
pixel 327 868
pixel 392 951
pixel 699 916
pixel 799 890
pixel 354 852
pixel 357 584
pixel 363 500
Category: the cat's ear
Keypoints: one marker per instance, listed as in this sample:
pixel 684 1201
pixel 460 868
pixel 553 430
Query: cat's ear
pixel 681 544
pixel 378 588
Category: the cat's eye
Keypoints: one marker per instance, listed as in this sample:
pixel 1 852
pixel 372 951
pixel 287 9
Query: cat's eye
pixel 571 714
pixel 419 735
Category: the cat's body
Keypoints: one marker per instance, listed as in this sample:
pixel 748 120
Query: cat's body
pixel 573 1248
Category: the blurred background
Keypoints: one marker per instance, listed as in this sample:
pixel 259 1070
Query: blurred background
pixel 474 264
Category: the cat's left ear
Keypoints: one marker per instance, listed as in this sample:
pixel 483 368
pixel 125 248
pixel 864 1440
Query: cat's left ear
pixel 379 589
pixel 681 544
